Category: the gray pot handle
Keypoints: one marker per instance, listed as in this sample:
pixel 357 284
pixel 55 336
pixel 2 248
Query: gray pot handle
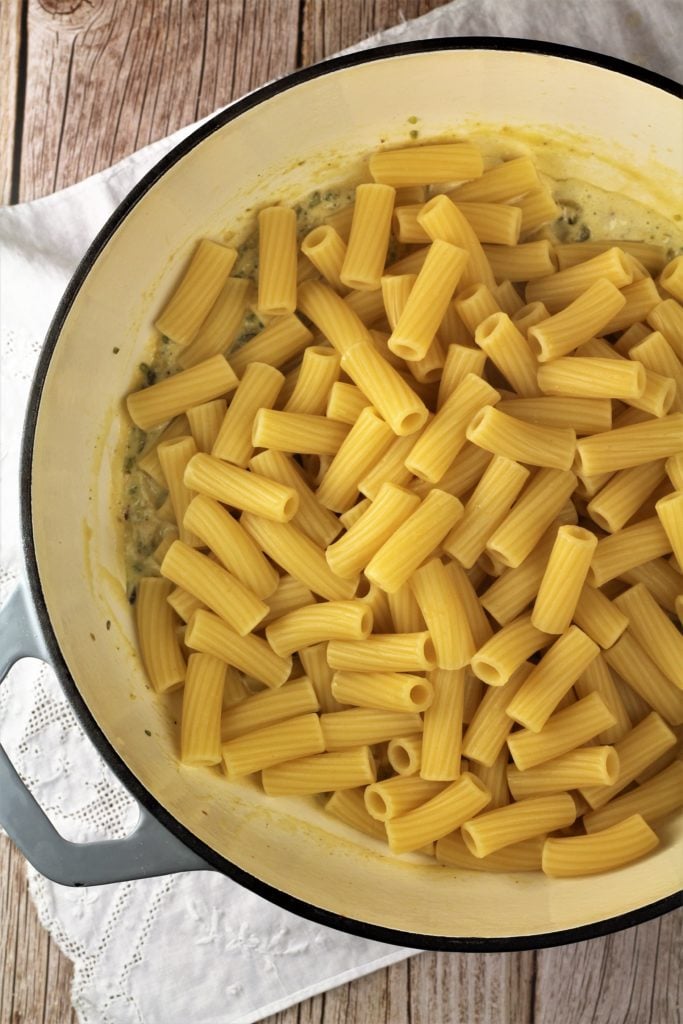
pixel 148 851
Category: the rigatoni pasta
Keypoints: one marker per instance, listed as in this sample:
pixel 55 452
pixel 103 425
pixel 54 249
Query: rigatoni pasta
pixel 372 489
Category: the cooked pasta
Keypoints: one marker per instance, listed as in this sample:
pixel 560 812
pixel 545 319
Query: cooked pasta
pixel 606 850
pixel 448 501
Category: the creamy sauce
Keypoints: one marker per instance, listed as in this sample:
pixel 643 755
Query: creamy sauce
pixel 587 213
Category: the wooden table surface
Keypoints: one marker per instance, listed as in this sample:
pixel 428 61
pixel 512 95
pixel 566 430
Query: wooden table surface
pixel 84 83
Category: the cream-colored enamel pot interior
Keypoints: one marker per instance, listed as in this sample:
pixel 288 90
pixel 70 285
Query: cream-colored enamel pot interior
pixel 578 120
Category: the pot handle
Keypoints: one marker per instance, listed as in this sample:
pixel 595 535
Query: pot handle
pixel 149 850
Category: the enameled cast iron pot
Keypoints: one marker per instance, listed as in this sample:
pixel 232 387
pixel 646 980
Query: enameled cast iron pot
pixel 589 117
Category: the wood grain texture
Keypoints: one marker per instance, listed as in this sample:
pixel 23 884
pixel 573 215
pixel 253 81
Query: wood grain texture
pixel 84 83
pixel 631 977
pixel 10 48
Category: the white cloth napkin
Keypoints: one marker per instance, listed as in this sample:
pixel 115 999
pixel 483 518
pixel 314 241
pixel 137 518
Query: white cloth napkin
pixel 144 951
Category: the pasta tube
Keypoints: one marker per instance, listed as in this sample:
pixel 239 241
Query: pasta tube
pixel 241 489
pixel 159 647
pixel 391 652
pixel 505 826
pixel 491 501
pixel 585 766
pixel 174 457
pixel 558 290
pixel 603 851
pixel 505 181
pixel 332 315
pixel 443 221
pixel 428 299
pixel 360 726
pixel 219 329
pixel 537 208
pixel 344 769
pixel 154 405
pixel 592 378
pixel 282 340
pixel 445 812
pixel 318 372
pixel 507 649
pixel 345 403
pixel 299 556
pixel 311 518
pixel 581 320
pixel 442 736
pixel 459 362
pixel 348 806
pixel 405 611
pixel 509 351
pixel 640 747
pixel 419 535
pixel 231 544
pixel 475 304
pixel 368 242
pixel 352 552
pixel 563 579
pixel 632 663
pixel 314 661
pixel 552 678
pixel 552 447
pixel 670 514
pixel 535 510
pixel 657 355
pixel 512 592
pixel 566 730
pixel 297 432
pixel 200 722
pixel 313 624
pixel 524 262
pixel 631 547
pixel 492 222
pixel 630 445
pixel 258 389
pixel 641 296
pixel 362 448
pixel 671 278
pixel 443 438
pixel 263 748
pixel 653 800
pixel 184 313
pixel 404 754
pixel 268 707
pixel 210 635
pixel 599 617
pixel 426 165
pixel 393 691
pixel 205 422
pixel 624 494
pixel 438 597
pixel 667 317
pixel 393 398
pixel 467 597
pixel 597 678
pixel 277 269
pixel 391 798
pixel 326 250
pixel 214 586
pixel 654 631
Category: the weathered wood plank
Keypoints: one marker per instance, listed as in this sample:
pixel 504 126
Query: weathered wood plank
pixel 108 76
pixel 330 26
pixel 10 48
pixel 35 979
pixel 631 977
pixel 492 989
